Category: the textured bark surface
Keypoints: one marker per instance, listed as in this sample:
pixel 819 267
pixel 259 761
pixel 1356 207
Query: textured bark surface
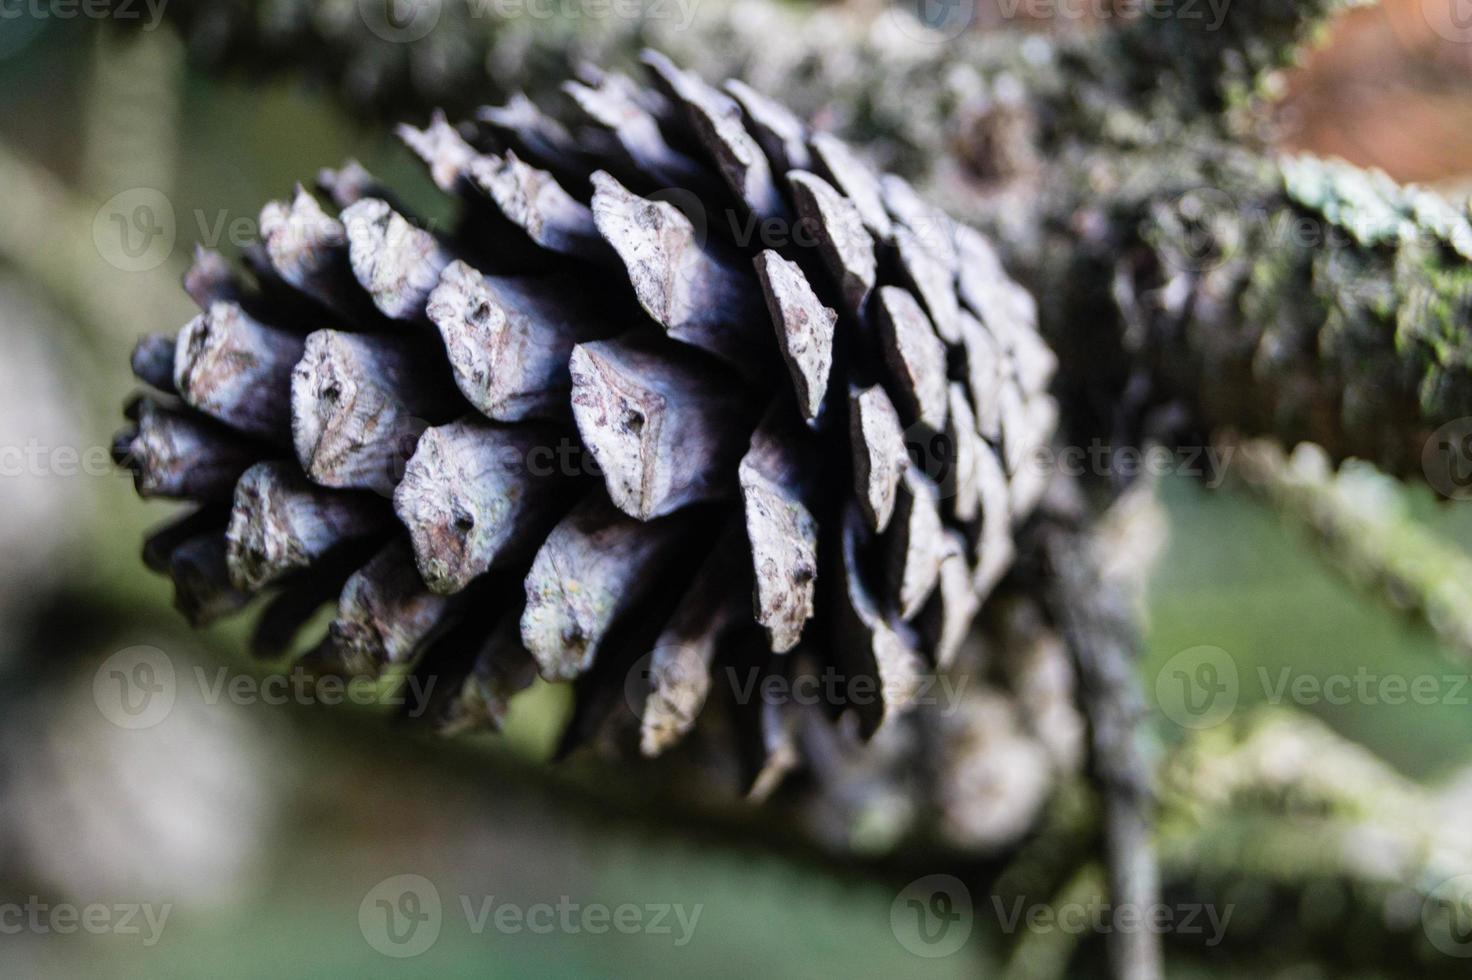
pixel 359 404
pixel 281 523
pixel 697 296
pixel 476 495
pixel 778 484
pixel 386 614
pixel 681 662
pixel 1303 300
pixel 664 428
pixel 843 242
pixel 397 263
pixel 879 456
pixel 916 543
pixel 228 366
pixel 509 339
pixel 595 565
pixel 175 454
pixel 805 329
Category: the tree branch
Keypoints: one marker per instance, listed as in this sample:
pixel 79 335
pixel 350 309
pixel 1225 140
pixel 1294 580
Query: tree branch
pixel 1360 523
pixel 1099 626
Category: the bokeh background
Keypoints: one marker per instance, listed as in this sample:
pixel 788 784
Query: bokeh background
pixel 264 828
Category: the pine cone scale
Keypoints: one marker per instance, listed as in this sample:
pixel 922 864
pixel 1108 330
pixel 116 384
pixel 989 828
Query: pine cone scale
pixel 790 454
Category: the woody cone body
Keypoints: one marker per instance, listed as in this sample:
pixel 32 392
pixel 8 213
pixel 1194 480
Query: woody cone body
pixel 686 385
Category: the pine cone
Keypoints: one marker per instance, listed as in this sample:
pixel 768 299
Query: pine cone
pixel 687 385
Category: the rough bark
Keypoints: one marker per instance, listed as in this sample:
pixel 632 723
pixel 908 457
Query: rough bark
pixel 1099 626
